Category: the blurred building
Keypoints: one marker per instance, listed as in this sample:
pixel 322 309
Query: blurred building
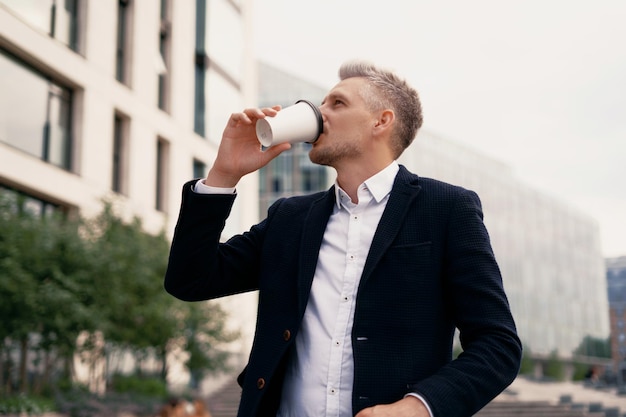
pixel 124 100
pixel 549 252
pixel 616 279
pixel 292 172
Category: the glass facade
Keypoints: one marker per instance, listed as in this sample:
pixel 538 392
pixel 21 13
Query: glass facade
pixel 616 281
pixel 292 172
pixel 200 66
pixel 57 18
pixel 35 112
pixel 549 253
pixel 219 66
pixel 23 202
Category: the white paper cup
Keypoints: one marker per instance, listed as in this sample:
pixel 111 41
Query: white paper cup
pixel 301 122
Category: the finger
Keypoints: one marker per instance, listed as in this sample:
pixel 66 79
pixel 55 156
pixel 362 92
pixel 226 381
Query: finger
pixel 237 118
pixel 254 113
pixel 271 111
pixel 273 151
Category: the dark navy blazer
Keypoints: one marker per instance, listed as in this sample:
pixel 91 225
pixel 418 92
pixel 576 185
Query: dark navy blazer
pixel 430 269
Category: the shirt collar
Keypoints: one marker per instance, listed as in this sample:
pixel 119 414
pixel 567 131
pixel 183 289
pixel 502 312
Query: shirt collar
pixel 379 185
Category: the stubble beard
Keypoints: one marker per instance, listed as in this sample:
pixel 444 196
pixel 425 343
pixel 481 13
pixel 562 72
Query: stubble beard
pixel 335 152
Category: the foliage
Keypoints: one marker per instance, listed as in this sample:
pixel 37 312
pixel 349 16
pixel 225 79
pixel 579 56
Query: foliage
pixel 527 366
pixel 203 337
pixel 140 385
pixel 580 371
pixel 24 404
pixel 594 347
pixel 555 368
pixel 67 277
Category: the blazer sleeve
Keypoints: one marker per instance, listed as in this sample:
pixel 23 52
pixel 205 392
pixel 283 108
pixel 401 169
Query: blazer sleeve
pixel 199 266
pixel 475 296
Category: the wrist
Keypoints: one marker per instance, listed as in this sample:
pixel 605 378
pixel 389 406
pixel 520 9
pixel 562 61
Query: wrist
pixel 218 179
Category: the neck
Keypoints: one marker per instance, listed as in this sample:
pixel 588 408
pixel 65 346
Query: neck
pixel 350 177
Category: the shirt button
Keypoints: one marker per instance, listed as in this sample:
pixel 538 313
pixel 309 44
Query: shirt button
pixel 286 335
pixel 260 383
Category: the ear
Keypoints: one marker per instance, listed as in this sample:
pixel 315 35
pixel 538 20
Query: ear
pixel 384 122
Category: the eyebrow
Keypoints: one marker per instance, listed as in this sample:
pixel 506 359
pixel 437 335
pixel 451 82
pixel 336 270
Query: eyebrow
pixel 335 94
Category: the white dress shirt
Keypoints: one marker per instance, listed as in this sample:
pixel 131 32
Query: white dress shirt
pixel 319 377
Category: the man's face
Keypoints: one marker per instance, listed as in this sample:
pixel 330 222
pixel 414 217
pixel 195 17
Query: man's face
pixel 347 125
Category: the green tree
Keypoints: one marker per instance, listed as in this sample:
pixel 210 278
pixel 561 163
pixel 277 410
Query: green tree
pixel 40 263
pixel 64 277
pixel 527 366
pixel 594 347
pixel 204 333
pixel 555 368
pixel 136 311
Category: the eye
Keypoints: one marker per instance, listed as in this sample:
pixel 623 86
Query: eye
pixel 337 102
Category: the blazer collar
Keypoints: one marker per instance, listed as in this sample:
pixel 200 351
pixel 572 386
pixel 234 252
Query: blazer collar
pixel 312 236
pixel 405 189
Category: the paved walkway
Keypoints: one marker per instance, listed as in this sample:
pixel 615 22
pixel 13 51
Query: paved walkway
pixel 524 389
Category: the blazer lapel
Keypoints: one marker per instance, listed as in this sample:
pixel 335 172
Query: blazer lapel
pixel 403 193
pixel 312 236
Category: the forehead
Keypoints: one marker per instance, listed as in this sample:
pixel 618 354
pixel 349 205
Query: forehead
pixel 350 88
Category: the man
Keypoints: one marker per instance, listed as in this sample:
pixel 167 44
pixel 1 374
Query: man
pixel 361 287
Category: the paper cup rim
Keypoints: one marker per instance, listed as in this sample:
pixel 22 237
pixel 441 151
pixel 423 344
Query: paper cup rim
pixel 318 115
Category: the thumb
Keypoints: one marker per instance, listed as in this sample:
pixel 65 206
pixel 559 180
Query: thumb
pixel 273 151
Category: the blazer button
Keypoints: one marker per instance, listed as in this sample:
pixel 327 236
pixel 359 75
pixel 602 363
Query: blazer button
pixel 286 335
pixel 260 383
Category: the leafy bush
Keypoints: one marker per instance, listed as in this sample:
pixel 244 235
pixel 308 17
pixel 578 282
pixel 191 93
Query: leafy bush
pixel 23 403
pixel 146 386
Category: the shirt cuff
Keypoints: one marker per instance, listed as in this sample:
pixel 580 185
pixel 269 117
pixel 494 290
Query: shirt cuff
pixel 201 188
pixel 423 400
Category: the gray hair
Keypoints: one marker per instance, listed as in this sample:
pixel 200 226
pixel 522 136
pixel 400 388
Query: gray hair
pixel 385 90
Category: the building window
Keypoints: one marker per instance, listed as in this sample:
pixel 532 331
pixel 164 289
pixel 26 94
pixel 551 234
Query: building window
pixel 22 202
pixel 57 18
pixel 35 113
pixel 291 173
pixel 199 169
pixel 200 66
pixel 162 168
pixel 120 153
pixel 165 45
pixel 122 56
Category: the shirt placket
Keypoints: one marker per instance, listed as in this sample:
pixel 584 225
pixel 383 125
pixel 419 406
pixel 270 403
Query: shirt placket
pixel 341 345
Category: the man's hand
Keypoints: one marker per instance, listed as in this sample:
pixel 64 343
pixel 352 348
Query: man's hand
pixel 240 151
pixel 406 407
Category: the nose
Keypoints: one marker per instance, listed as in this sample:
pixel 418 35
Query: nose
pixel 322 109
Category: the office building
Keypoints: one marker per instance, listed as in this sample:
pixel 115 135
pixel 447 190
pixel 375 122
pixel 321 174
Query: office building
pixel 616 280
pixel 292 172
pixel 123 100
pixel 549 253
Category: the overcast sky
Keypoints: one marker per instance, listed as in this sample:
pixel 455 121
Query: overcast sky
pixel 537 84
